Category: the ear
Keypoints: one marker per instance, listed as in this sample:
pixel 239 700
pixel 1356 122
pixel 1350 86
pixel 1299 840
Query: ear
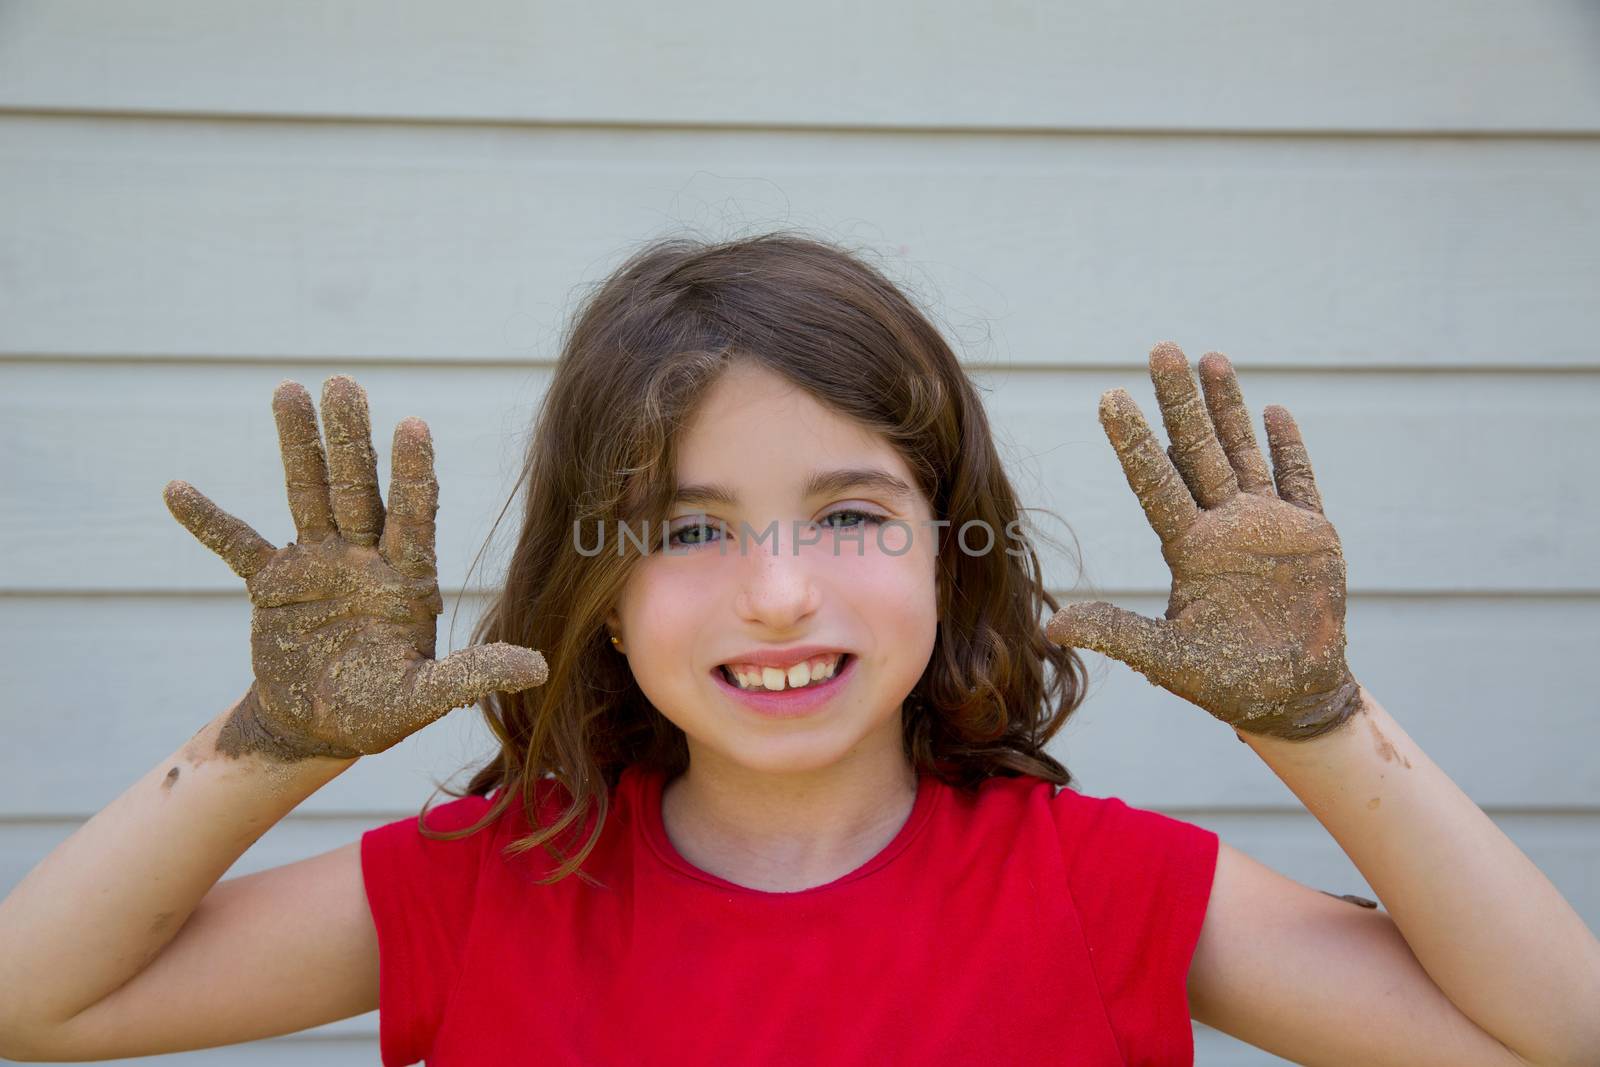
pixel 614 623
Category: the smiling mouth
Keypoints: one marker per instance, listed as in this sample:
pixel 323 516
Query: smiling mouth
pixel 807 674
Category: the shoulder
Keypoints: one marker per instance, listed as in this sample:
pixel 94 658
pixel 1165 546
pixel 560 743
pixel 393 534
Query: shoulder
pixel 1126 863
pixel 1098 833
pixel 1104 842
pixel 1138 883
pixel 424 891
pixel 433 858
pixel 1141 882
pixel 404 862
pixel 407 841
pixel 483 817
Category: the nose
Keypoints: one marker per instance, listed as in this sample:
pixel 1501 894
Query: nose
pixel 777 588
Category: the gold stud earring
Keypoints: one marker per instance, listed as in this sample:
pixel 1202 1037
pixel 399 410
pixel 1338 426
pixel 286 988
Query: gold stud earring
pixel 617 641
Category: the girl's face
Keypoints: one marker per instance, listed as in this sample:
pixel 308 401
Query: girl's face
pixel 717 597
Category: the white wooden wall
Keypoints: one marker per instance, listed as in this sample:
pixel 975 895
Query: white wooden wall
pixel 1387 215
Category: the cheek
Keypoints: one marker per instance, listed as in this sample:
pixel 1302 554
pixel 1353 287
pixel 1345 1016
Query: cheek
pixel 874 578
pixel 659 607
pixel 898 594
pixel 663 610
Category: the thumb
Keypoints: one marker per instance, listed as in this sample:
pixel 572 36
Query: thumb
pixel 1146 645
pixel 467 676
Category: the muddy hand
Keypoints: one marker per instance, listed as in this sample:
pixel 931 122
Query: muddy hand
pixel 342 625
pixel 1254 629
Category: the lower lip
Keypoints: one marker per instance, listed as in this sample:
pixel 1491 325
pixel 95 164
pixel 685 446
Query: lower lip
pixel 787 703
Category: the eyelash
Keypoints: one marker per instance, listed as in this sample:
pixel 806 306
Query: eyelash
pixel 868 519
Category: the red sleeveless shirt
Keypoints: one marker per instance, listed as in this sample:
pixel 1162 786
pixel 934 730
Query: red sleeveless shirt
pixel 1014 924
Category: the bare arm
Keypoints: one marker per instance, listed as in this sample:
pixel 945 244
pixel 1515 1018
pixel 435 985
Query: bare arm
pixel 1477 960
pixel 92 934
pixel 1482 960
pixel 117 944
pixel 1482 921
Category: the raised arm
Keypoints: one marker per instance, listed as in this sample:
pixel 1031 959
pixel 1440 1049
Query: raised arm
pixel 1478 959
pixel 121 942
pixel 1475 959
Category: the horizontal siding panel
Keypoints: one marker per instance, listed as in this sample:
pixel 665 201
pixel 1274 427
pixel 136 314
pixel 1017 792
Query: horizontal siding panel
pixel 100 689
pixel 199 239
pixel 1435 483
pixel 1213 1048
pixel 1249 64
pixel 150 674
pixel 1455 673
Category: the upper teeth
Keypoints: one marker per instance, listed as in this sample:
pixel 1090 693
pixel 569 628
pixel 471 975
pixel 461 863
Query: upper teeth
pixel 818 668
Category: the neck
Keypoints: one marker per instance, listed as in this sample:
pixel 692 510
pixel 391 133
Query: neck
pixel 782 832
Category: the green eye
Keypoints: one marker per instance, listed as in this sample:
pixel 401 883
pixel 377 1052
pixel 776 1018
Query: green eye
pixel 866 518
pixel 674 539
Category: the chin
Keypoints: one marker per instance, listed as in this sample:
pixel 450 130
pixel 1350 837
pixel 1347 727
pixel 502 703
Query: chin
pixel 801 753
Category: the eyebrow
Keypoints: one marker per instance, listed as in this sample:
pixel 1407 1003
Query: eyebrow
pixel 821 483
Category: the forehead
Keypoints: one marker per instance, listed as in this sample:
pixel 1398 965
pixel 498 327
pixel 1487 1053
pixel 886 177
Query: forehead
pixel 766 411
pixel 754 424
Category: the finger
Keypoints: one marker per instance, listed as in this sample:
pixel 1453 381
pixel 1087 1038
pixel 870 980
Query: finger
pixel 466 677
pixel 1290 463
pixel 407 541
pixel 1225 402
pixel 1147 645
pixel 240 547
pixel 352 464
pixel 305 468
pixel 1151 475
pixel 1195 450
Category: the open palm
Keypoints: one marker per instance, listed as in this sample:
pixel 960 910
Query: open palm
pixel 1254 628
pixel 342 623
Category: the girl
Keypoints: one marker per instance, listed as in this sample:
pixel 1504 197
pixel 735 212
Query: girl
pixel 773 788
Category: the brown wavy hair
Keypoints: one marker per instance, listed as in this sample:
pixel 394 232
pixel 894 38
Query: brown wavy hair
pixel 642 349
